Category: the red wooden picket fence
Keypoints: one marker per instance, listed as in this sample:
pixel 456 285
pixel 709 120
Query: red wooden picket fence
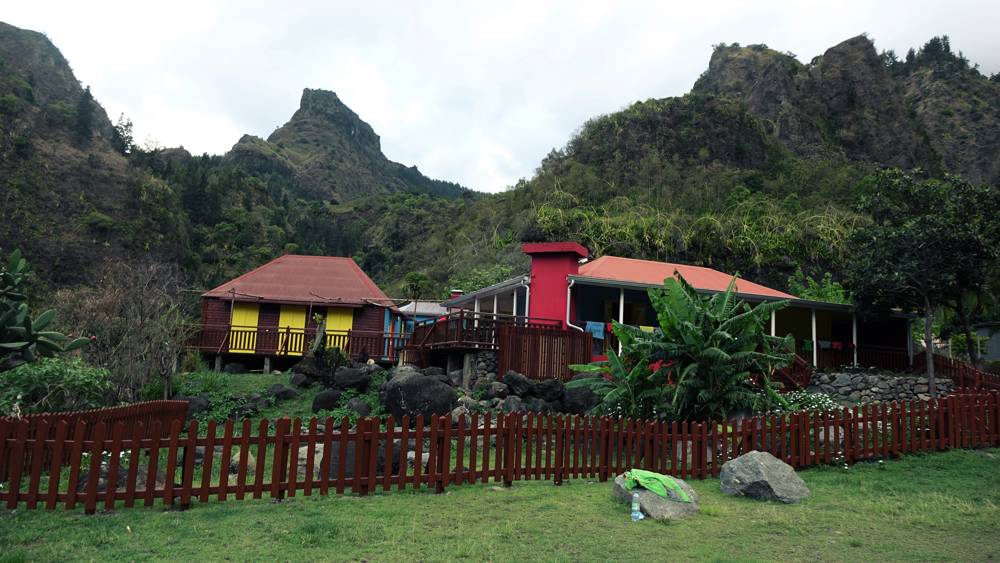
pixel 44 424
pixel 292 458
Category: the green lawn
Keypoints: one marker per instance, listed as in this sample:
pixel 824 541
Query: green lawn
pixel 923 507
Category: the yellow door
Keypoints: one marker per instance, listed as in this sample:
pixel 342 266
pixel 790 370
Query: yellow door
pixel 339 320
pixel 291 330
pixel 243 330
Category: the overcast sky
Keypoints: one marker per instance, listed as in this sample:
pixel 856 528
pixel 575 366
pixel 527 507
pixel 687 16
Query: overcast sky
pixel 475 93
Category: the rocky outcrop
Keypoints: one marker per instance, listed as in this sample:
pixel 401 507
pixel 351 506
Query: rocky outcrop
pixel 761 476
pixel 412 393
pixel 864 387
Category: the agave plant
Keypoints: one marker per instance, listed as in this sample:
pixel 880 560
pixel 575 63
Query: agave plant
pixel 710 357
pixel 24 338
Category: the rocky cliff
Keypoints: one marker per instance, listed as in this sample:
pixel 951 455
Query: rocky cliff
pixel 853 101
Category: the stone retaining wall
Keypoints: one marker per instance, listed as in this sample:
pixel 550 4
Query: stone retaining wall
pixel 876 387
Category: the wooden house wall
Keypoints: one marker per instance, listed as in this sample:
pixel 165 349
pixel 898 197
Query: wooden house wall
pixel 215 312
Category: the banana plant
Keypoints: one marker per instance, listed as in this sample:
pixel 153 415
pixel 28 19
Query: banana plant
pixel 710 357
pixel 24 338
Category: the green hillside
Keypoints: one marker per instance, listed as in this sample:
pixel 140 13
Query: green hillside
pixel 755 171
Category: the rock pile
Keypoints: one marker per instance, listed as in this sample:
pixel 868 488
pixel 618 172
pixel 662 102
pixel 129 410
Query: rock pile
pixel 875 387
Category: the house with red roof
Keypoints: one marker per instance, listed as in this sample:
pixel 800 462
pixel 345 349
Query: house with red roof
pixel 568 288
pixel 273 312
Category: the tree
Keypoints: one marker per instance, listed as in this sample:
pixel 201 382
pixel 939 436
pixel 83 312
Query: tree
pixel 417 285
pixel 85 115
pixel 23 337
pixel 712 356
pixel 137 315
pixel 121 135
pixel 806 287
pixel 927 242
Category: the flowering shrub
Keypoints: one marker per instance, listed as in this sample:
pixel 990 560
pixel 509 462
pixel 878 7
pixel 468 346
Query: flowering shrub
pixel 806 401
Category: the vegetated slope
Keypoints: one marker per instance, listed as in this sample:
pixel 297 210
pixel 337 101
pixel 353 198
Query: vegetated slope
pixel 753 172
pixel 67 197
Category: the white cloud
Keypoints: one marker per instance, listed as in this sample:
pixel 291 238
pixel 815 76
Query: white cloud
pixel 470 92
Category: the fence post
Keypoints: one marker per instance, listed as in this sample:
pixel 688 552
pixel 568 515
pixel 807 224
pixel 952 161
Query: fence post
pixel 512 423
pixel 439 483
pixel 560 466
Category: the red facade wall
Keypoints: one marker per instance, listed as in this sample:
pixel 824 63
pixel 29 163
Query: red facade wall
pixel 550 266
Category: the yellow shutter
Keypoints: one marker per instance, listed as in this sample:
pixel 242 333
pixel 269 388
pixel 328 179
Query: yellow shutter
pixel 243 331
pixel 339 320
pixel 291 330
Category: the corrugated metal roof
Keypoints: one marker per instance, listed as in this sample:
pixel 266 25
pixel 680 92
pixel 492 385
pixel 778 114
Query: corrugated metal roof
pixel 648 272
pixel 304 279
pixel 423 309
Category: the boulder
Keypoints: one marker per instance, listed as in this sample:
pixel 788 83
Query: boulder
pixel 234 368
pixel 550 390
pixel 512 403
pixel 497 390
pixel 433 371
pixel 326 400
pixel 411 393
pixel 299 380
pixel 234 463
pixel 360 406
pixel 310 367
pixel 761 476
pixel 459 412
pixel 121 482
pixel 518 384
pixel 352 378
pixel 455 377
pixel 282 393
pixel 349 459
pixel 653 505
pixel 195 404
pixel 580 400
pixel 469 403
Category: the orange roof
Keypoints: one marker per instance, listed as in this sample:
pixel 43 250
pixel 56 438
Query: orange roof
pixel 304 279
pixel 648 272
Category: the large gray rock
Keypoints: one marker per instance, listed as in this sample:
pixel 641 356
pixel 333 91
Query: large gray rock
pixel 299 380
pixel 195 404
pixel 653 505
pixel 512 403
pixel 579 400
pixel 326 400
pixel 519 385
pixel 412 393
pixel 282 393
pixel 761 476
pixel 360 406
pixel 550 390
pixel 497 390
pixel 352 378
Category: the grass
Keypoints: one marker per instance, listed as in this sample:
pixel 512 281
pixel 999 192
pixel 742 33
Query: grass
pixel 941 506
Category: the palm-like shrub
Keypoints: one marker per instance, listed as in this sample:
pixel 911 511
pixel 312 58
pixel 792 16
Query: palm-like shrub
pixel 711 357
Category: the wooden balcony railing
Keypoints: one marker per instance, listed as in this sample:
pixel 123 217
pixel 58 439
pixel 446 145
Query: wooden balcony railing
pixel 470 330
pixel 287 341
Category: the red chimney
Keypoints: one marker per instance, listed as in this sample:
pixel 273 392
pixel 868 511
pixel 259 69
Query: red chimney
pixel 551 264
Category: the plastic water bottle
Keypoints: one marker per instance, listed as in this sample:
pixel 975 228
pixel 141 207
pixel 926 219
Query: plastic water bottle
pixel 636 513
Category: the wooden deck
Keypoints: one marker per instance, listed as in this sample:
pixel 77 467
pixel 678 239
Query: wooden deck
pixel 536 348
pixel 281 342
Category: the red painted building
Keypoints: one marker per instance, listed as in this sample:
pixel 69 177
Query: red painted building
pixel 581 294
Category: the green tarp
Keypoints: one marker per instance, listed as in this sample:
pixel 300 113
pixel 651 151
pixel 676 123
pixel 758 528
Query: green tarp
pixel 657 483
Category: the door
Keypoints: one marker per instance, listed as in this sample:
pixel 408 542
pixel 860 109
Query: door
pixel 243 328
pixel 291 330
pixel 339 320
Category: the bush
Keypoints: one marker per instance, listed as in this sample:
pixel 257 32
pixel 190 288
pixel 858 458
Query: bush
pixel 53 385
pixel 806 401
